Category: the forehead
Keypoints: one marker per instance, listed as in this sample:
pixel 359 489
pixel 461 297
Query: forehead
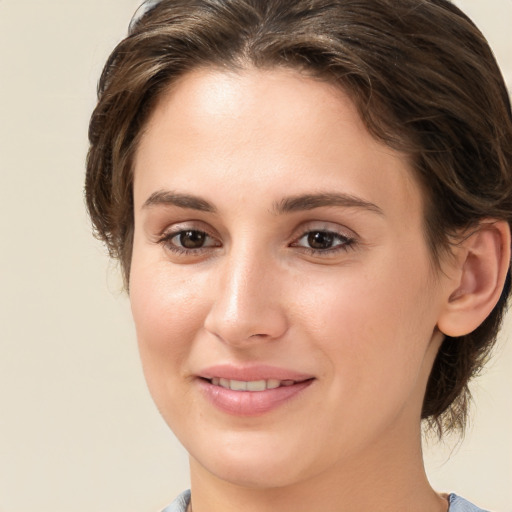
pixel 273 127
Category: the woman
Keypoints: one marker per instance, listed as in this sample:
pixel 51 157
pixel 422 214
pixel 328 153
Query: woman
pixel 311 203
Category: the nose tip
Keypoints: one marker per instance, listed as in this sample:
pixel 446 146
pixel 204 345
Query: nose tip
pixel 247 307
pixel 236 334
pixel 242 323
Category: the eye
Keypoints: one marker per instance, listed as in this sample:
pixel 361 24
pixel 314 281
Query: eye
pixel 188 241
pixel 323 241
pixel 320 240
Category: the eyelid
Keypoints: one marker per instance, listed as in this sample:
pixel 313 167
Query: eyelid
pixel 172 236
pixel 347 239
pixel 170 232
pixel 189 225
pixel 327 226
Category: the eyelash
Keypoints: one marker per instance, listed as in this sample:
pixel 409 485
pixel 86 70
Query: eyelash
pixel 166 241
pixel 345 243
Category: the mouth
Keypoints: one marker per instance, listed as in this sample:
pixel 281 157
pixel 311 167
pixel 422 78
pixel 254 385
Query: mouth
pixel 252 385
pixel 255 397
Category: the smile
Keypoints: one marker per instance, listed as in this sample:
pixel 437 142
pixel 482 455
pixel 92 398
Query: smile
pixel 251 397
pixel 252 385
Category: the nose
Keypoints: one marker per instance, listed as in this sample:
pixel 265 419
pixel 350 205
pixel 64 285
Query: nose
pixel 247 304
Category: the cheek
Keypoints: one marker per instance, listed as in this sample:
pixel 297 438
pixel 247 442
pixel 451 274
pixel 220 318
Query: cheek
pixel 378 322
pixel 168 312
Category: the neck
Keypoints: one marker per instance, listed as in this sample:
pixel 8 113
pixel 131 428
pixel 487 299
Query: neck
pixel 390 476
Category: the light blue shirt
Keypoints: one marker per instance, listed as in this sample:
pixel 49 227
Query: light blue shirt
pixel 457 504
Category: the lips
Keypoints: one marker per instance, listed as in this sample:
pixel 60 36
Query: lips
pixel 251 391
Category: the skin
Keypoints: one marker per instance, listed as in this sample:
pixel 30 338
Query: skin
pixel 360 317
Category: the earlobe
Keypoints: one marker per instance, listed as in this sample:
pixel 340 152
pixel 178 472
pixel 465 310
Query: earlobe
pixel 482 262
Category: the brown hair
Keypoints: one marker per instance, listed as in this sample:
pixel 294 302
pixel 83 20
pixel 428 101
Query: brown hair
pixel 420 73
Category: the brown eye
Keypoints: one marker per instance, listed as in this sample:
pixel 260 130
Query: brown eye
pixel 189 241
pixel 192 239
pixel 324 242
pixel 320 240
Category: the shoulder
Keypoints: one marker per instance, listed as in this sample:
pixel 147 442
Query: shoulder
pixel 458 504
pixel 180 504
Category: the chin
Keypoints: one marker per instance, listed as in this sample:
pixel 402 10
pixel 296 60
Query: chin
pixel 250 463
pixel 253 474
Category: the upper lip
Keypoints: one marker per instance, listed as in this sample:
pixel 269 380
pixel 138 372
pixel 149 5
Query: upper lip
pixel 252 373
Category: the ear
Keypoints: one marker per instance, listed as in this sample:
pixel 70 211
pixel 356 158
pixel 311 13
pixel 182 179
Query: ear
pixel 476 278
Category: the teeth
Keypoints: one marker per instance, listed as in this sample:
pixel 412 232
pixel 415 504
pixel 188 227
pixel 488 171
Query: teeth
pixel 253 385
pixel 273 383
pixel 238 385
pixel 256 385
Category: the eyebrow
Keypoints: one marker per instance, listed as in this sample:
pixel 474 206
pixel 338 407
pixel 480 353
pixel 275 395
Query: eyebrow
pixel 286 205
pixel 168 198
pixel 312 201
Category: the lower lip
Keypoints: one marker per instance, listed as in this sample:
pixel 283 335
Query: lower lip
pixel 251 403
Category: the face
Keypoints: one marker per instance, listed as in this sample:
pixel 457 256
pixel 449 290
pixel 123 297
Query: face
pixel 281 286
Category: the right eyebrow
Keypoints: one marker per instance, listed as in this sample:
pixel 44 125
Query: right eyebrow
pixel 169 198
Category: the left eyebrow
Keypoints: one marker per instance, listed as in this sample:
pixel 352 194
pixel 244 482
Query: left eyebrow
pixel 312 201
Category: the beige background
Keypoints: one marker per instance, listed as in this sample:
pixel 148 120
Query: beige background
pixel 78 432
